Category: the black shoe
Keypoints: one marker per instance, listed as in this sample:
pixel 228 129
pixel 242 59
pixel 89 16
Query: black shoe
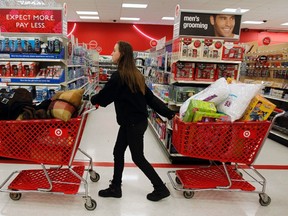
pixel 158 194
pixel 112 191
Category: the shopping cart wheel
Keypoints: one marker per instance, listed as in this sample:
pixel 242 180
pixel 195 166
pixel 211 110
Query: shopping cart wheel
pixel 94 177
pixel 188 194
pixel 15 196
pixel 92 206
pixel 264 199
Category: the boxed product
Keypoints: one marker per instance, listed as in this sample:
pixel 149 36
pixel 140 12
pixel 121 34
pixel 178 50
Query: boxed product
pixel 259 109
pixel 183 70
pixel 179 94
pixel 198 105
pixel 16 69
pixel 30 69
pixel 186 48
pixel 200 116
pixel 5 45
pixel 212 49
pixel 205 72
pixel 227 70
pixel 4 69
pixel 232 52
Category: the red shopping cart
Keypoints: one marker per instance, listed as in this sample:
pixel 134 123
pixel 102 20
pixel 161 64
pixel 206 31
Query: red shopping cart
pixel 48 142
pixel 235 145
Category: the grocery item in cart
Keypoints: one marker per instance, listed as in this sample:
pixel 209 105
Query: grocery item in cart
pixel 66 104
pixel 198 105
pixel 259 109
pixel 216 93
pixel 238 100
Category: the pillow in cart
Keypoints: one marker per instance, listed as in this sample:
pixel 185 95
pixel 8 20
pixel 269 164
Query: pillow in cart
pixel 64 106
pixel 239 98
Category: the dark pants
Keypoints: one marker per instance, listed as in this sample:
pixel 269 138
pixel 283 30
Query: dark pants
pixel 133 136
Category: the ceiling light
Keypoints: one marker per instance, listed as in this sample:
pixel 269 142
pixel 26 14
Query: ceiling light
pixel 89 17
pixel 39 2
pixel 235 10
pixel 284 23
pixel 253 22
pixel 126 5
pixel 167 18
pixel 130 18
pixel 87 12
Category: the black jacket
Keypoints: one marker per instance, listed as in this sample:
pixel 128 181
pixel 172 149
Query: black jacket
pixel 131 108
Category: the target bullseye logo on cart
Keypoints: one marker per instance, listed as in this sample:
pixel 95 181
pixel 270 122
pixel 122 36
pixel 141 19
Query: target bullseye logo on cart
pixel 251 134
pixel 246 134
pixel 58 132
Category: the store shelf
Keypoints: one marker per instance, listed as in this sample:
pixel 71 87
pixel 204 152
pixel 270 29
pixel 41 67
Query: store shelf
pixel 275 98
pixel 279 137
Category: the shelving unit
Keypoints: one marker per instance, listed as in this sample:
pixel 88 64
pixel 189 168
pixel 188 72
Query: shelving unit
pixel 269 65
pixel 34 58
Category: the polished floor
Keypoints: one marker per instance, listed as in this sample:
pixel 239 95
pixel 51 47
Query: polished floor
pixel 98 140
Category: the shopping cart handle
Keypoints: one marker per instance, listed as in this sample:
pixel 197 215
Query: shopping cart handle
pixel 279 110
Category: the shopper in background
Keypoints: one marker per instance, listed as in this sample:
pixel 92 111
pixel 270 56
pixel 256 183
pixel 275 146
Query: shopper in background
pixel 127 89
pixel 223 25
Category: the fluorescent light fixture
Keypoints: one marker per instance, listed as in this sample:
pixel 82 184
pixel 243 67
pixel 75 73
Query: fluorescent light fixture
pixel 127 5
pixel 87 12
pixel 285 23
pixel 130 18
pixel 22 2
pixel 89 17
pixel 235 10
pixel 253 22
pixel 167 18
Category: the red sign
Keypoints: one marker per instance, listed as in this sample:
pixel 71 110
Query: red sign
pixel 266 40
pixel 153 43
pixel 31 21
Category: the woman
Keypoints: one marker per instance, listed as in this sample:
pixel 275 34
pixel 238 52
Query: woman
pixel 127 89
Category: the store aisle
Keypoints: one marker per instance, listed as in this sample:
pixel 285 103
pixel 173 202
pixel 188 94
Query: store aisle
pixel 98 140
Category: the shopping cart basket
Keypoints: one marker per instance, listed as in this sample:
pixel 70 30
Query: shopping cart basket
pixel 231 144
pixel 48 142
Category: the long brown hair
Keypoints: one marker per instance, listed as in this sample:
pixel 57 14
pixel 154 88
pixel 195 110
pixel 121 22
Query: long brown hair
pixel 128 71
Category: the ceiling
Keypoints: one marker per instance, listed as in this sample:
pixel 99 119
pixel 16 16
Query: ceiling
pixel 275 12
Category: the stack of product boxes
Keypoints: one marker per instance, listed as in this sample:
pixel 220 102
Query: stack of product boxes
pixel 191 59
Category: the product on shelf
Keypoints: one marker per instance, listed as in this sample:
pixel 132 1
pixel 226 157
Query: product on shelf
pixel 5 69
pixel 227 70
pixel 232 52
pixel 205 71
pixel 183 70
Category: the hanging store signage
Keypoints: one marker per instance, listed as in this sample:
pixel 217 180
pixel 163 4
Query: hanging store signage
pixel 31 21
pixel 266 41
pixel 207 25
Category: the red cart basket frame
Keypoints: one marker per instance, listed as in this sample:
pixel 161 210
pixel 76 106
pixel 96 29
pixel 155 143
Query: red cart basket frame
pixel 230 143
pixel 47 142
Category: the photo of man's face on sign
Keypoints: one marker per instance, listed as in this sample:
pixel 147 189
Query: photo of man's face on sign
pixel 224 25
pixel 216 25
